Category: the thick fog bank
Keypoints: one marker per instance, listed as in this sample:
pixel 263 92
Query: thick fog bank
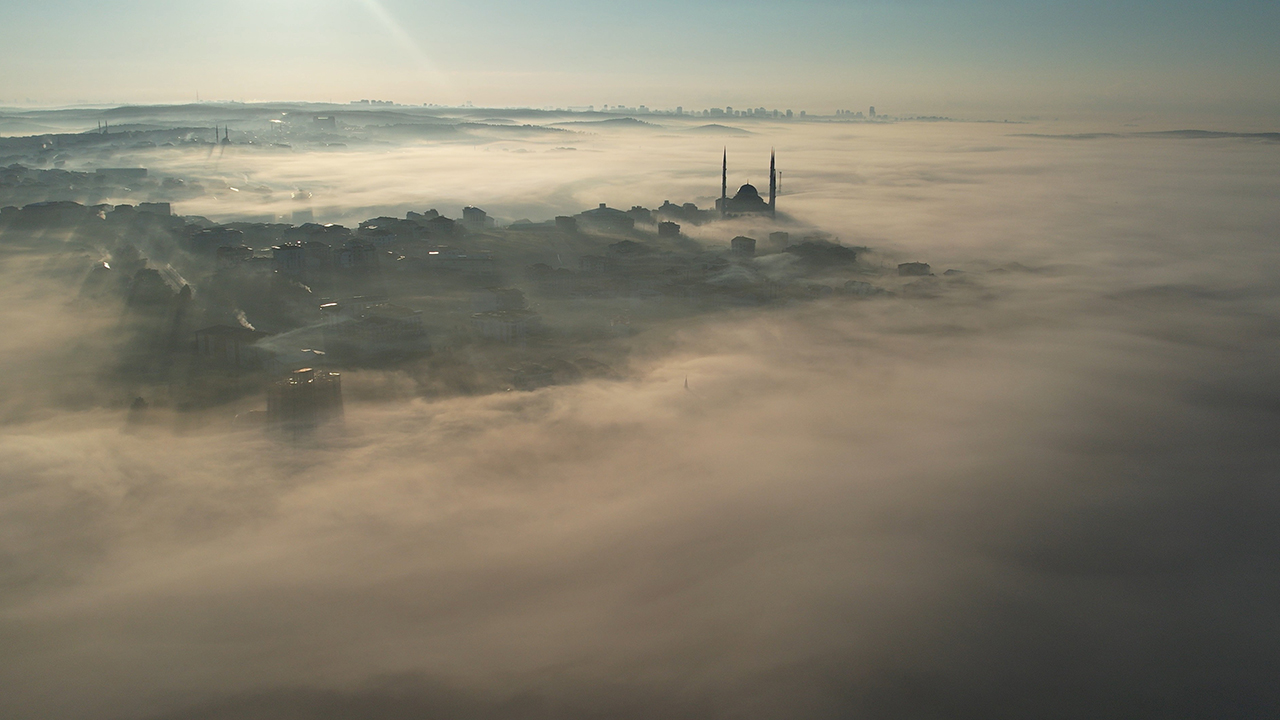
pixel 1045 487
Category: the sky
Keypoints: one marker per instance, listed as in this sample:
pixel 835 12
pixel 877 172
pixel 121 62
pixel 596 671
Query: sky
pixel 968 59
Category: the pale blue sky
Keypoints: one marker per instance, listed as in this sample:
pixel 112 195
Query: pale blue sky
pixel 908 56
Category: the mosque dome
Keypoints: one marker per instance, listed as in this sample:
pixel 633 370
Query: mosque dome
pixel 747 201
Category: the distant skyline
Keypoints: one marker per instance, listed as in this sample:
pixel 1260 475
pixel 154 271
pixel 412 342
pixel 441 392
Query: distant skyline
pixel 968 59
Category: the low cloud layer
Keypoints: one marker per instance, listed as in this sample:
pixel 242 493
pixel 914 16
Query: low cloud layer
pixel 1046 491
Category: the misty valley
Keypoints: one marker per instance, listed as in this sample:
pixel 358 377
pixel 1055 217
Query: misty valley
pixel 365 410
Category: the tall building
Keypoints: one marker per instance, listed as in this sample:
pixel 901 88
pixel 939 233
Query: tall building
pixel 369 329
pixel 288 259
pixel 506 325
pixel 356 256
pixel 304 400
pixel 474 217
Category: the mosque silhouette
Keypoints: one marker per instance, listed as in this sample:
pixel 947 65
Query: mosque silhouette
pixel 747 201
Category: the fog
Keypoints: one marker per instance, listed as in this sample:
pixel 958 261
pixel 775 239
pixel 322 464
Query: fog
pixel 1044 487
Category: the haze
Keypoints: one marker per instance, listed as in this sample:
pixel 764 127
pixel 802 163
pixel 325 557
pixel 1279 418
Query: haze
pixel 1201 59
pixel 977 419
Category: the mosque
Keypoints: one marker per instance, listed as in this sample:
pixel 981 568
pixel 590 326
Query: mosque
pixel 747 201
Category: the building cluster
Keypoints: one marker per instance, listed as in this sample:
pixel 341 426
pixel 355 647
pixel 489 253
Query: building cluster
pixel 729 111
pixel 857 115
pixel 648 270
pixel 21 185
pixel 292 304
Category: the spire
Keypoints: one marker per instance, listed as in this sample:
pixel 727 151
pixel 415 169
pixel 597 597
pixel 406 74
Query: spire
pixel 724 175
pixel 773 183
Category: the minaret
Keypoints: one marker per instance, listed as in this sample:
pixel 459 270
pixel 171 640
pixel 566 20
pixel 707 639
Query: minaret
pixel 724 182
pixel 773 184
pixel 724 175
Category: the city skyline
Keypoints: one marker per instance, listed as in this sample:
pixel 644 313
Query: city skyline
pixel 1189 59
